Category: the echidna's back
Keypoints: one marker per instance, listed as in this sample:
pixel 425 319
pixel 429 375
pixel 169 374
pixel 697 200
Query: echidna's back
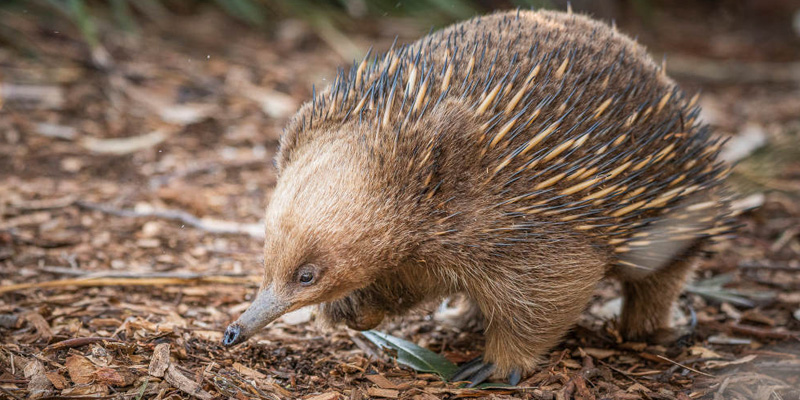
pixel 547 118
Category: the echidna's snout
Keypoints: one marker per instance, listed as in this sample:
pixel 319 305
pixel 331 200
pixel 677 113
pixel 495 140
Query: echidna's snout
pixel 265 308
pixel 233 335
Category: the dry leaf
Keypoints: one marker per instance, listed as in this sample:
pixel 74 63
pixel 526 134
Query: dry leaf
pixel 81 370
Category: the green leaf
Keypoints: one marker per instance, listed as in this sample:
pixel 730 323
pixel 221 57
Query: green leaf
pixel 721 295
pixel 413 356
pixel 494 385
pixel 713 288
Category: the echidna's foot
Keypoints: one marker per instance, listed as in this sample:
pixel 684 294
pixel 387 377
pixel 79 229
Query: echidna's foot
pixel 366 320
pixel 476 372
pixel 681 336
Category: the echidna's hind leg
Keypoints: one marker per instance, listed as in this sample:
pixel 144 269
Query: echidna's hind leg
pixel 462 313
pixel 647 301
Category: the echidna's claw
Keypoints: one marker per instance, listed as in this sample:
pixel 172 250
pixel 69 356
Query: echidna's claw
pixel 483 373
pixel 468 369
pixel 514 377
pixel 476 372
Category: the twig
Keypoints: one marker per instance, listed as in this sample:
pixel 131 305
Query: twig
pixel 762 333
pixel 99 282
pixel 12 395
pixel 15 381
pixel 77 342
pixel 208 225
pixel 684 366
pixel 133 275
pixel 617 370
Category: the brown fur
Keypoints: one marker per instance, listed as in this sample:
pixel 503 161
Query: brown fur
pixel 476 190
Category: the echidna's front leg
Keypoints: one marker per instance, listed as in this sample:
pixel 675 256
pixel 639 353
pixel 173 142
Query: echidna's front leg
pixel 361 310
pixel 528 309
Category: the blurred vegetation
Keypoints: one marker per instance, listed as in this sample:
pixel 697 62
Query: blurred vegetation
pixel 324 16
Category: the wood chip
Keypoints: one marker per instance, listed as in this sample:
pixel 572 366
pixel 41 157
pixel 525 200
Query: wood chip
pixel 600 354
pixel 326 396
pixel 180 381
pixel 208 336
pixel 115 377
pixel 385 393
pixel 638 387
pixel 86 390
pixel 160 361
pixel 381 381
pixel 247 371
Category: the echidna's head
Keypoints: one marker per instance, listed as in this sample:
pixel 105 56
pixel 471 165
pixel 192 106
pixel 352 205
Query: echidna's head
pixel 325 236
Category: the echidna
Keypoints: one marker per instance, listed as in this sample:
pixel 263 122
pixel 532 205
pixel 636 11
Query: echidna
pixel 515 158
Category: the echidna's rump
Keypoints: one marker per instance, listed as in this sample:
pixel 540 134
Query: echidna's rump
pixel 516 159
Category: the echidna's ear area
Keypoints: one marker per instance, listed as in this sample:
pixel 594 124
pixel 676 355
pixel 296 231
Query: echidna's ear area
pixel 569 123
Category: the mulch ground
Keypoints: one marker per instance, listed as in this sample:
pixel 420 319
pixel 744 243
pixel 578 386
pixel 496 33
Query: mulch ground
pixel 133 180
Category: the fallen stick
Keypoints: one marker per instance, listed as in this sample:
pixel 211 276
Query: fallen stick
pixel 77 342
pixel 209 225
pixel 684 366
pixel 133 275
pixel 99 282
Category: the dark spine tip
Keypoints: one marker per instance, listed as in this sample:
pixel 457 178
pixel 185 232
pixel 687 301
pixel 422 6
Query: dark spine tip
pixel 232 336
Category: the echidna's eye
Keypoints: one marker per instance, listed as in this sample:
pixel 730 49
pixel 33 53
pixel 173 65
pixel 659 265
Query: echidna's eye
pixel 306 274
pixel 306 278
